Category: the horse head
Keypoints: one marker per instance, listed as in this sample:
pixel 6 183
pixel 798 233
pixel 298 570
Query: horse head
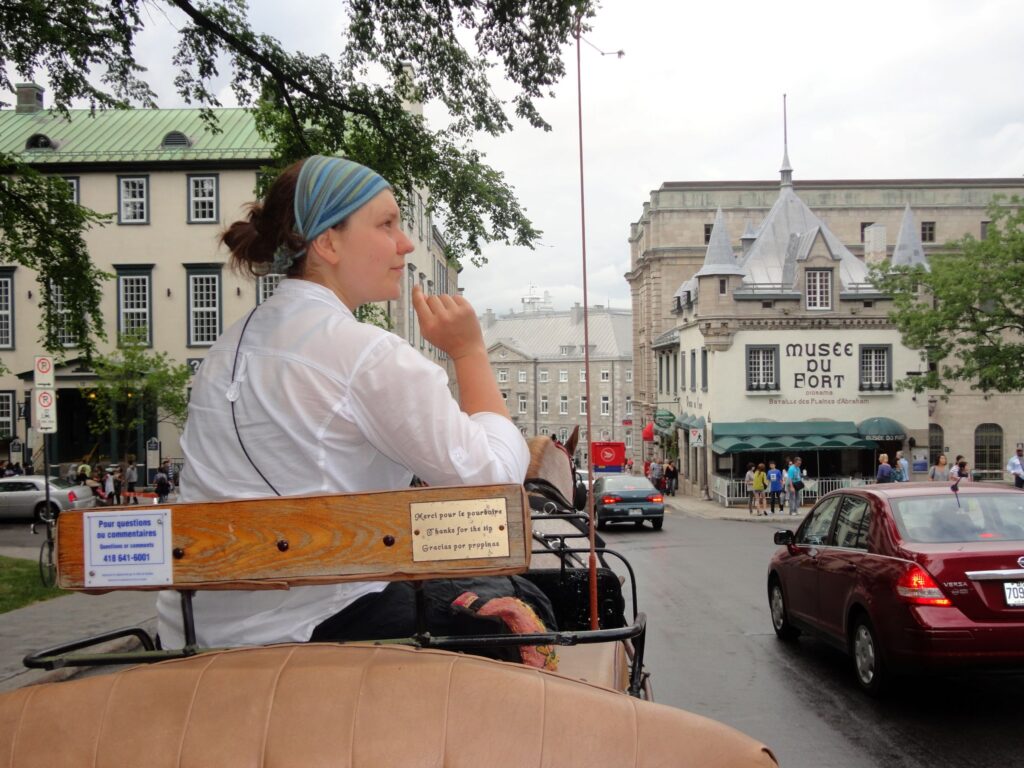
pixel 551 473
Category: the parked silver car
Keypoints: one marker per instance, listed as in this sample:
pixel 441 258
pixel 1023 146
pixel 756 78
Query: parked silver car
pixel 25 496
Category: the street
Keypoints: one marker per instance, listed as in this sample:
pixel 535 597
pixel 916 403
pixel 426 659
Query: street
pixel 712 650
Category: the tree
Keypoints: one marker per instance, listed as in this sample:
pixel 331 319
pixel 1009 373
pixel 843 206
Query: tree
pixel 134 383
pixel 303 104
pixel 966 314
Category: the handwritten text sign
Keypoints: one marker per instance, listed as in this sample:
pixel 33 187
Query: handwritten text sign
pixel 459 530
pixel 127 549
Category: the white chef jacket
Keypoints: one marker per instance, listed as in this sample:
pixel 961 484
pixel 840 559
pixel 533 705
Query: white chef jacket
pixel 324 403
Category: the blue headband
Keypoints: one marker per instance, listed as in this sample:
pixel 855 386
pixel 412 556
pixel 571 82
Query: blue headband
pixel 329 190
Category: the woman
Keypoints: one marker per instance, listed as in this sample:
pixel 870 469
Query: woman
pixel 748 483
pixel 884 474
pixel 299 397
pixel 760 486
pixel 940 471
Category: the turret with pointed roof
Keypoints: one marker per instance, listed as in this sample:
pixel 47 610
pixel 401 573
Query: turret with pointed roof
pixel 909 251
pixel 719 259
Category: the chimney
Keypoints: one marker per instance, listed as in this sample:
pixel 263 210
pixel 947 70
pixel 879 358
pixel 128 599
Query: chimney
pixel 874 244
pixel 489 319
pixel 30 98
pixel 576 313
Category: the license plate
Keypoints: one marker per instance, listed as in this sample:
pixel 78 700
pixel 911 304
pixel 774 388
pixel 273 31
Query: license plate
pixel 640 512
pixel 1014 593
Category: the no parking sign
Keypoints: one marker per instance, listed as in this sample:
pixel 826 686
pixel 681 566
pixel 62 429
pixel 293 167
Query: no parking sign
pixel 46 410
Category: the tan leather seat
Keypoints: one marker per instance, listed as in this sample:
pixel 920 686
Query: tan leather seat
pixel 604 664
pixel 358 706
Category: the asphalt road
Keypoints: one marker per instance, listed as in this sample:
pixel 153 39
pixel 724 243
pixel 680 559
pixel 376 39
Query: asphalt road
pixel 712 650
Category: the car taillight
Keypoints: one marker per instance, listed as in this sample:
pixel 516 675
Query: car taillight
pixel 611 499
pixel 71 497
pixel 916 586
pixel 656 499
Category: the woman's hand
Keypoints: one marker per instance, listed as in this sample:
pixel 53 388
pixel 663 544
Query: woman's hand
pixel 449 323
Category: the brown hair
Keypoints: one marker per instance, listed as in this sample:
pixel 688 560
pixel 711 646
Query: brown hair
pixel 270 224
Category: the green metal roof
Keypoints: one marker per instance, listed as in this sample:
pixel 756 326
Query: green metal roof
pixel 742 437
pixel 131 135
pixel 747 428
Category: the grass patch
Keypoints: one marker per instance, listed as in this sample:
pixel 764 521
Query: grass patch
pixel 20 585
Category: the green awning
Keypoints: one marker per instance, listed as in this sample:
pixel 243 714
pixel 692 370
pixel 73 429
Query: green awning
pixel 682 420
pixel 742 437
pixel 881 428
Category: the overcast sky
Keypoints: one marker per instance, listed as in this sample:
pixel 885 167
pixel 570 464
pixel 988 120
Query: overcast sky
pixel 906 89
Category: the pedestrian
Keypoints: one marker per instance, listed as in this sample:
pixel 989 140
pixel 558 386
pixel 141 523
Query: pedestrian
pixel 794 485
pixel 108 486
pixel 300 397
pixel 162 486
pixel 1015 466
pixel 901 472
pixel 18 471
pixel 657 472
pixel 671 478
pixel 884 473
pixel 774 486
pixel 760 486
pixel 168 469
pixel 118 485
pixel 131 480
pixel 748 483
pixel 940 470
pixel 954 471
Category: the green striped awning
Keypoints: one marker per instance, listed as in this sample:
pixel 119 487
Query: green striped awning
pixel 742 437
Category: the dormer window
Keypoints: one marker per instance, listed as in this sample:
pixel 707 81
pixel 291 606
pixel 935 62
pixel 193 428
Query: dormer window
pixel 819 288
pixel 40 141
pixel 176 140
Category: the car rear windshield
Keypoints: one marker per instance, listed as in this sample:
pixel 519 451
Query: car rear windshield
pixel 58 483
pixel 973 517
pixel 627 483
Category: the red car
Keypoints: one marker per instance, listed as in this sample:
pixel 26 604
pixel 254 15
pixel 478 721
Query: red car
pixel 906 576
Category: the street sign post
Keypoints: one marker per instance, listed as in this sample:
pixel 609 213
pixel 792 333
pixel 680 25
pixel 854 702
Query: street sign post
pixel 696 437
pixel 45 398
pixel 43 372
pixel 46 410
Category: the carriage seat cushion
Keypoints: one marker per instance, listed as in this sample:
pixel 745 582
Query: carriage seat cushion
pixel 362 706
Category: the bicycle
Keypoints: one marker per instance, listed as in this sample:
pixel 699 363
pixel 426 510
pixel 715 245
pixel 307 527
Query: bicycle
pixel 47 563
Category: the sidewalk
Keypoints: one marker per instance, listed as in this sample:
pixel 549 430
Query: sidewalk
pixel 694 506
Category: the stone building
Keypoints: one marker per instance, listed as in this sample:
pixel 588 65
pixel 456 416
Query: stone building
pixel 171 186
pixel 537 358
pixel 773 342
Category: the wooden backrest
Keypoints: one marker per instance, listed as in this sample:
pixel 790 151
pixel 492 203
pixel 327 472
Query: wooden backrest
pixel 280 542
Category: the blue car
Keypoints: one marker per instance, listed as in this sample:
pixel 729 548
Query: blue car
pixel 628 499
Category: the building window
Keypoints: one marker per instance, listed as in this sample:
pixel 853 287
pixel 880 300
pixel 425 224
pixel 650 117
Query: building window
pixel 266 285
pixel 522 377
pixel 629 405
pixel 927 231
pixel 876 368
pixel 988 448
pixel 72 181
pixel 563 434
pixel 502 376
pixel 704 370
pixel 522 403
pixel 6 308
pixel 419 215
pixel 563 405
pixel 863 226
pixel 762 368
pixel 984 229
pixel 629 375
pixel 675 372
pixel 936 443
pixel 819 288
pixel 204 321
pixel 134 318
pixel 693 370
pixel 202 199
pixel 545 431
pixel 606 375
pixel 65 336
pixel 708 228
pixel 566 349
pixel 133 200
pixel 410 315
pixel 544 404
pixel 543 375
pixel 6 415
pixel 723 286
pixel 629 439
pixel 606 405
pixel 583 375
pixel 563 375
pixel 583 405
